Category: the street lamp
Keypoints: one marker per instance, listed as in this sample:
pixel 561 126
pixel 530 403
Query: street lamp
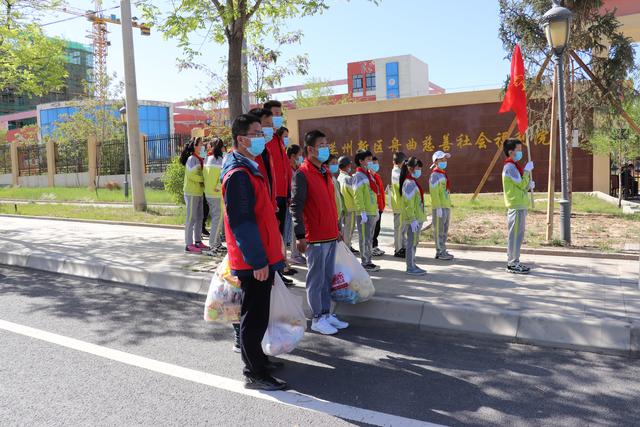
pixel 123 118
pixel 557 27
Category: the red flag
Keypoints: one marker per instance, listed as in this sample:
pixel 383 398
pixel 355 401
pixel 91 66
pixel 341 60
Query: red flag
pixel 515 99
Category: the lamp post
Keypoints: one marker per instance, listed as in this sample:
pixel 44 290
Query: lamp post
pixel 123 117
pixel 557 27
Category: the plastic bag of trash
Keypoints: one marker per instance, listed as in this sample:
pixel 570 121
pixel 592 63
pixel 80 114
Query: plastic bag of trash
pixel 287 322
pixel 351 282
pixel 224 297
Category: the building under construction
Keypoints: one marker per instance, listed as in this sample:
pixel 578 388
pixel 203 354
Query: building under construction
pixel 79 65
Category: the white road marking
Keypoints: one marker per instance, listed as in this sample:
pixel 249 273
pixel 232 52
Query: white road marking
pixel 289 398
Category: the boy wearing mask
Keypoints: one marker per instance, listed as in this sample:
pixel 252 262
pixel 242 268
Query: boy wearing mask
pixel 399 237
pixel 439 188
pixel 374 168
pixel 516 182
pixel 366 202
pixel 348 219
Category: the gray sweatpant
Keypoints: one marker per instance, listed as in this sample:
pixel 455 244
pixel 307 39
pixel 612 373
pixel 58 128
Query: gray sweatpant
pixel 412 244
pixel 365 236
pixel 321 260
pixel 399 233
pixel 516 219
pixel 441 230
pixel 193 220
pixel 215 209
pixel 348 221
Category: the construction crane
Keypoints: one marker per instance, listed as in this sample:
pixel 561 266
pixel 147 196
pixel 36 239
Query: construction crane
pixel 100 42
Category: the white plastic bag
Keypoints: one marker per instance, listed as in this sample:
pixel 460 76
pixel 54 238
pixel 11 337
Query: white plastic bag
pixel 224 298
pixel 287 322
pixel 351 282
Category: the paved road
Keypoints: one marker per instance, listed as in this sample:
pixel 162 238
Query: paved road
pixel 81 352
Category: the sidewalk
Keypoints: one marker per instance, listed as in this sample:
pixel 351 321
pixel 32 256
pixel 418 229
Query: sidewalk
pixel 565 302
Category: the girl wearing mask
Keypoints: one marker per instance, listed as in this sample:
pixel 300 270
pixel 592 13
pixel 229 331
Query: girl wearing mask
pixel 211 175
pixel 440 203
pixel 412 215
pixel 374 168
pixel 192 158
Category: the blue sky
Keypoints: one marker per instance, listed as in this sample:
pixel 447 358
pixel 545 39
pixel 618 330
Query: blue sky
pixel 458 39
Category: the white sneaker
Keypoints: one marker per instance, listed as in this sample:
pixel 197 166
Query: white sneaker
pixel 337 323
pixel 323 326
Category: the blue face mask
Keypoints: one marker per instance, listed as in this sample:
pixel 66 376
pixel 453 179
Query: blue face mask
pixel 518 156
pixel 278 121
pixel 286 141
pixel 257 146
pixel 417 173
pixel 442 165
pixel 300 160
pixel 323 154
pixel 268 133
pixel 375 167
pixel 203 153
pixel 333 168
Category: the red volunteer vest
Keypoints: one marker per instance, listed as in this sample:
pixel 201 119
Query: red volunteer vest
pixel 320 211
pixel 281 167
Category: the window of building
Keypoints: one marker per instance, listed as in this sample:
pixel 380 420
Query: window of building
pixel 357 82
pixel 371 82
pixel 393 86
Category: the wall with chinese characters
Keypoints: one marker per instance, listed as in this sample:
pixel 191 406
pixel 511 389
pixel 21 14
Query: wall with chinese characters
pixel 470 132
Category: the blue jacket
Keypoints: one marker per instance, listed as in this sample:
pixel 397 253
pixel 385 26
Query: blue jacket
pixel 240 201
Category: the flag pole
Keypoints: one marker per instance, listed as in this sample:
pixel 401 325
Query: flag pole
pixel 527 139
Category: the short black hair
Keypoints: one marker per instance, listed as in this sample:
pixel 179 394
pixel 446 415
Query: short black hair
pixel 272 103
pixel 510 145
pixel 281 131
pixel 374 158
pixel 310 138
pixel 261 112
pixel 361 155
pixel 344 162
pixel 241 126
pixel 292 150
pixel 399 158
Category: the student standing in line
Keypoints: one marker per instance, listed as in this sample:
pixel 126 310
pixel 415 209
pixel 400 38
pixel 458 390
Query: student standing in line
pixel 348 219
pixel 366 206
pixel 516 183
pixel 374 168
pixel 211 174
pixel 439 188
pixel 294 152
pixel 413 214
pixel 205 205
pixel 315 220
pixel 399 237
pixel 254 247
pixel 193 159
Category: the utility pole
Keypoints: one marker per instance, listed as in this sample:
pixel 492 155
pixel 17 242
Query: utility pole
pixel 131 99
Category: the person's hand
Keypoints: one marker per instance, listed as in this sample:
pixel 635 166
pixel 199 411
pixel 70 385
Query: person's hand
pixel 528 167
pixel 439 212
pixel 363 216
pixel 302 245
pixel 532 185
pixel 415 226
pixel 262 274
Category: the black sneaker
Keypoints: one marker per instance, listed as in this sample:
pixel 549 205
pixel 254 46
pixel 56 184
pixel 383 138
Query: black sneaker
pixel 399 254
pixel 372 268
pixel 267 383
pixel 517 269
pixel 290 271
pixel 354 250
pixel 525 268
pixel 205 233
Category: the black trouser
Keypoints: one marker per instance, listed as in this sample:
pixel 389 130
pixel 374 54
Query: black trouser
pixel 205 213
pixel 376 231
pixel 254 319
pixel 281 215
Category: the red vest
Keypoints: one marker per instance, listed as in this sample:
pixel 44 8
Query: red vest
pixel 281 168
pixel 320 211
pixel 271 186
pixel 265 218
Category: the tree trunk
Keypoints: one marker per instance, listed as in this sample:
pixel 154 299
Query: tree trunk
pixel 234 74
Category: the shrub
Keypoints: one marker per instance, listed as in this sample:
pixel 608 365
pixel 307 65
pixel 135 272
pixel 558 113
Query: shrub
pixel 112 185
pixel 173 179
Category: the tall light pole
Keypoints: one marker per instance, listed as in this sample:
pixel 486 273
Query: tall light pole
pixel 123 117
pixel 557 27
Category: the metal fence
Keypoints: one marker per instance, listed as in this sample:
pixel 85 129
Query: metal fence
pixel 5 159
pixel 160 149
pixel 111 157
pixel 32 159
pixel 71 158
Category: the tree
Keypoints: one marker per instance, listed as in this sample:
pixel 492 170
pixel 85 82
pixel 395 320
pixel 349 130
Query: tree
pixel 228 22
pixel 597 40
pixel 316 93
pixel 31 64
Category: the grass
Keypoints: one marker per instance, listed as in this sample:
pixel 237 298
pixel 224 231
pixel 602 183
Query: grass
pixel 65 194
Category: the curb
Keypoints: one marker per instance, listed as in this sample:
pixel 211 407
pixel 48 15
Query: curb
pixel 97 221
pixel 590 334
pixel 536 251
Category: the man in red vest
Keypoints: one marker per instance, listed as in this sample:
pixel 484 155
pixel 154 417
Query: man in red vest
pixel 315 222
pixel 254 246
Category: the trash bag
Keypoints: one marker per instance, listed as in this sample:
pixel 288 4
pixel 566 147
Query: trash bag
pixel 224 298
pixel 287 322
pixel 351 282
